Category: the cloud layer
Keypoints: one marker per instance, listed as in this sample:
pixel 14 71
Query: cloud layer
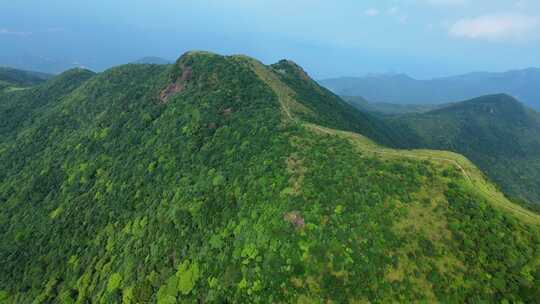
pixel 496 27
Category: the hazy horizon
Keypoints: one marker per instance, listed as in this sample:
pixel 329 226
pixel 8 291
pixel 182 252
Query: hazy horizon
pixel 421 38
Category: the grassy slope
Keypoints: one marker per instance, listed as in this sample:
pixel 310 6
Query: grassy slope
pixel 225 194
pixel 475 178
pixel 424 219
pixel 496 132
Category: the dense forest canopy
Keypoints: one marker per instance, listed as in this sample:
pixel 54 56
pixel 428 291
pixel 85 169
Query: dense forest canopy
pixel 19 78
pixel 206 181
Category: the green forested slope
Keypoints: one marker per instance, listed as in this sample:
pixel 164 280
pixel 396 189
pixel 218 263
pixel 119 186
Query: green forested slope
pixel 324 108
pixel 21 108
pixel 200 182
pixel 498 133
pixel 19 78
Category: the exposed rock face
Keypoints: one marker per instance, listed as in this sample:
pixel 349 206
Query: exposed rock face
pixel 178 86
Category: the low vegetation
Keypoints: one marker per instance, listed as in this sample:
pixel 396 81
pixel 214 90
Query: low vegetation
pixel 496 132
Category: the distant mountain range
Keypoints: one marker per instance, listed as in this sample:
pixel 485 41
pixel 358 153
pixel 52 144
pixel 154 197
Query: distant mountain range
pixel 390 108
pixel 56 66
pixel 497 132
pixel 402 89
pixel 42 64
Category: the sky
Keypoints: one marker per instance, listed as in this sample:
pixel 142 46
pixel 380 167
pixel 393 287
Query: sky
pixel 330 38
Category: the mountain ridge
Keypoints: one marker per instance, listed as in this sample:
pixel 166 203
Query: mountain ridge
pixel 406 90
pixel 497 132
pixel 224 192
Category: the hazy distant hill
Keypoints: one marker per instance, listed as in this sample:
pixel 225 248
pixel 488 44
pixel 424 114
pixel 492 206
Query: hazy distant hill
pixel 152 60
pixel 496 132
pixel 222 180
pixel 402 89
pixel 19 108
pixel 43 64
pixel 389 108
pixel 10 77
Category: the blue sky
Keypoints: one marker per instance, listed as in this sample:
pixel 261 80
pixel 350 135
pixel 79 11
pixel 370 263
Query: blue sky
pixel 423 38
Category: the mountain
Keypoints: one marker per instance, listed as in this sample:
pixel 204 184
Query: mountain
pixel 10 77
pixel 496 132
pixel 31 62
pixel 219 179
pixel 152 60
pixel 20 108
pixel 389 108
pixel 402 89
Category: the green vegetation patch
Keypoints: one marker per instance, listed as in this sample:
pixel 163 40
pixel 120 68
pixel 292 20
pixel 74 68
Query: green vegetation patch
pixel 110 195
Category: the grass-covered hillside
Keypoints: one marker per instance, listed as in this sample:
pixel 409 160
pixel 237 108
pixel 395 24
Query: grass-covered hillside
pixel 221 180
pixel 496 132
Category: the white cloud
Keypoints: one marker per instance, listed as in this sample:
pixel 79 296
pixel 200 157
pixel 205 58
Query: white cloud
pixel 496 27
pixel 372 12
pixel 4 31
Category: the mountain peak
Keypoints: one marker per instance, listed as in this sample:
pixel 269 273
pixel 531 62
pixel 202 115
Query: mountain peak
pixel 501 104
pixel 288 66
pixel 71 75
pixel 503 100
pixel 194 54
pixel 287 63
